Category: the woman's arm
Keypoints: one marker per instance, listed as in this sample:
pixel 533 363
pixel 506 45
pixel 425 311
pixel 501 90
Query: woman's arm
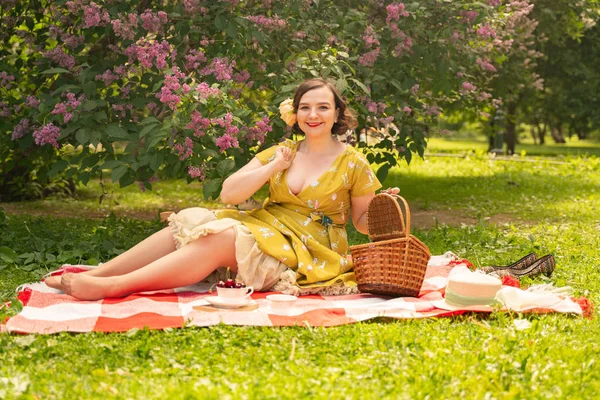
pixel 359 209
pixel 238 187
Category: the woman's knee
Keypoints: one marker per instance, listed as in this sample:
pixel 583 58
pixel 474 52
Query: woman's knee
pixel 220 245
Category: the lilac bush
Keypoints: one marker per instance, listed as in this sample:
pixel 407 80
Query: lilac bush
pixel 191 88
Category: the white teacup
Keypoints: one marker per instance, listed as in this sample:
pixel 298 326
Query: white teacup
pixel 234 295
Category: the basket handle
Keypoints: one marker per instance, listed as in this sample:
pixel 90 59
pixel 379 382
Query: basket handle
pixel 406 213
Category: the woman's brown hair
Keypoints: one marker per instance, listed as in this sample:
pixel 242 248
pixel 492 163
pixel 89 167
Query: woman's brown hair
pixel 346 119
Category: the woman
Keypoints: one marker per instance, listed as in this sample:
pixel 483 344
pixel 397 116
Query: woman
pixel 296 243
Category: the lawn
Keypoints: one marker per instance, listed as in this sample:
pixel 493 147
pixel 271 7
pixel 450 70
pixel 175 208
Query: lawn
pixel 509 208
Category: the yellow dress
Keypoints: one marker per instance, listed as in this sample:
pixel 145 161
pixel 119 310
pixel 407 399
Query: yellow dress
pixel 306 232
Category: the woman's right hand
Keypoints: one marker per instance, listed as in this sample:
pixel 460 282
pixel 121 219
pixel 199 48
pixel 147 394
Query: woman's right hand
pixel 283 158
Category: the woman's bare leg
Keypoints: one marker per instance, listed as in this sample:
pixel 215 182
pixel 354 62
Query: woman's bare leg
pixel 150 249
pixel 188 265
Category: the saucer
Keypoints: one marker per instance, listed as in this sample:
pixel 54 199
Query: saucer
pixel 221 303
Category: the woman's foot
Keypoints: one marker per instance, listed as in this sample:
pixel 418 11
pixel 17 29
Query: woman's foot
pixel 53 282
pixel 85 287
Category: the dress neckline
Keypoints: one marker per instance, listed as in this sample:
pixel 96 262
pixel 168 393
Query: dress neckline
pixel 335 161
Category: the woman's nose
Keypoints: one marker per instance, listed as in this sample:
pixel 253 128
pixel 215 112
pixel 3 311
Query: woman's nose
pixel 313 112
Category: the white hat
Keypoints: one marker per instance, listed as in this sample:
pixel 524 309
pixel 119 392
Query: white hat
pixel 469 291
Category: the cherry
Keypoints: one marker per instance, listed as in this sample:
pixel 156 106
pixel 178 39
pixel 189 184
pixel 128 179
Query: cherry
pixel 221 284
pixel 238 285
pixel 229 283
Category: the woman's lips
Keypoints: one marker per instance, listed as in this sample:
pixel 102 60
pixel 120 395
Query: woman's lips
pixel 313 124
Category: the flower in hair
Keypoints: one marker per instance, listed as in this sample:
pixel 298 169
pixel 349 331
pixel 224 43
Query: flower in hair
pixel 286 110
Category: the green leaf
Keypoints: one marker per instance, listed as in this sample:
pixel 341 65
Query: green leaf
pixel 382 172
pixel 212 188
pixel 58 166
pixel 118 172
pixel 221 22
pixel 361 85
pixel 147 129
pixel 232 30
pixel 56 71
pixel 8 255
pixel 156 161
pixel 225 166
pixel 89 105
pixel 81 136
pixel 110 164
pixel 149 120
pixel 115 132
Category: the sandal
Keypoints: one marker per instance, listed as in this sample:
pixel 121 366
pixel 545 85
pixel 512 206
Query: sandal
pixel 522 264
pixel 544 265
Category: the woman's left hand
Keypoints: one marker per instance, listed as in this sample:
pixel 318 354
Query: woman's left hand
pixel 392 190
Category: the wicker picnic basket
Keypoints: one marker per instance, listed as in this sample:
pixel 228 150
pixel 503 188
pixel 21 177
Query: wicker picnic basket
pixel 395 261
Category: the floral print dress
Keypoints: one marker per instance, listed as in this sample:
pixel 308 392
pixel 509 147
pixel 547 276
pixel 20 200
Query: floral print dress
pixel 307 231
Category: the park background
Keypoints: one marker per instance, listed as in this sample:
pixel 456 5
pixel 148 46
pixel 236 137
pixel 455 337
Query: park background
pixel 483 113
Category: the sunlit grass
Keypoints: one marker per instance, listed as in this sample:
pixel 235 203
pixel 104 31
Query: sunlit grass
pixel 551 208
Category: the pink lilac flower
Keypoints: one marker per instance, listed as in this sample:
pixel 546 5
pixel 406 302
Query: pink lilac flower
pixel 125 26
pixel 368 59
pixel 48 134
pixel 483 96
pixel 468 87
pixel 396 32
pixel 72 41
pixel 406 45
pixel 94 16
pixel 107 77
pixel 432 110
pixel 455 36
pixel 372 107
pixel 299 35
pixel 153 22
pixel 493 3
pixel 407 109
pixel 370 37
pixel 469 16
pixel 206 41
pixel 6 79
pixel 122 109
pixel 193 6
pixel 415 89
pixel 198 123
pixel 194 58
pixel 185 150
pixel 459 74
pixel 259 131
pixel 386 121
pixel 32 102
pixel 221 68
pixel 57 55
pixel 205 91
pixel 20 129
pixel 241 77
pixel 486 31
pixel 268 24
pixel 226 141
pixel 66 108
pixel 148 53
pixel 5 110
pixel 485 65
pixel 197 172
pixel 395 11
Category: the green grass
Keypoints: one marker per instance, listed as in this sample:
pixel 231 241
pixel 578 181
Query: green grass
pixel 546 207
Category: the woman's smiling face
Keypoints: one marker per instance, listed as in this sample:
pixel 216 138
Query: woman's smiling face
pixel 316 112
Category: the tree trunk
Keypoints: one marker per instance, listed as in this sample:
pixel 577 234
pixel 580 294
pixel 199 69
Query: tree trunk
pixel 511 126
pixel 557 134
pixel 541 133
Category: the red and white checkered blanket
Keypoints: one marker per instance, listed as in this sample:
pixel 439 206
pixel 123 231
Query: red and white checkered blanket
pixel 46 310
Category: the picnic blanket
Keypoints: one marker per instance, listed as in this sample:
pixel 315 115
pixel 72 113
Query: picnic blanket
pixel 46 310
